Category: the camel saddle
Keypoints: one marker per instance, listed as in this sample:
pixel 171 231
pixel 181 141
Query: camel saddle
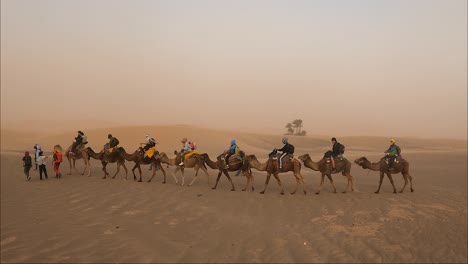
pixel 336 159
pixel 287 158
pixel 150 152
pixel 236 158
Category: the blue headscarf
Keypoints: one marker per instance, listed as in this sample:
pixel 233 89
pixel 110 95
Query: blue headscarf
pixel 233 142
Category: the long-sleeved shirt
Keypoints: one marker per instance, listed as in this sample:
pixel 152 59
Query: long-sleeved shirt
pixel 336 150
pixel 41 160
pixel 38 149
pixel 287 148
pixel 392 150
pixel 187 147
pixel 151 141
pixel 233 149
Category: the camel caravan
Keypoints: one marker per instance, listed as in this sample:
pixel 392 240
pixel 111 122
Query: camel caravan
pixel 280 160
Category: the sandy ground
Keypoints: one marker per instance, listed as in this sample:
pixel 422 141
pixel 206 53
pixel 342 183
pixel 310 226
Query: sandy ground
pixel 87 219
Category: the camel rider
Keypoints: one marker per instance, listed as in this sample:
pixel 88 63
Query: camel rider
pixel 233 149
pixel 80 139
pixel 286 149
pixel 337 151
pixel 186 150
pixel 150 142
pixel 392 152
pixel 113 142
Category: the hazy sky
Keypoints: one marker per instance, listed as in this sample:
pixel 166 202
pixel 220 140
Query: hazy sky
pixel 396 68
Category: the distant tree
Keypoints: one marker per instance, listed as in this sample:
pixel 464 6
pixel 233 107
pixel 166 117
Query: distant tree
pixel 289 126
pixel 295 128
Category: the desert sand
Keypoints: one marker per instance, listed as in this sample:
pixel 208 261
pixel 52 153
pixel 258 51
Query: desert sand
pixel 88 219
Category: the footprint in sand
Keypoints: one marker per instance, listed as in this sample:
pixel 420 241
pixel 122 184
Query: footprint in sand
pixel 7 241
pixel 173 222
pixel 135 212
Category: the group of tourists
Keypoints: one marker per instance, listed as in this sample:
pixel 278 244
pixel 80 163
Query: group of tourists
pixel 188 149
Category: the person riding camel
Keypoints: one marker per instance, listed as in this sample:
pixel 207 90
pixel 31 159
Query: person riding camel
pixel 287 149
pixel 150 142
pixel 233 149
pixel 392 153
pixel 113 142
pixel 79 139
pixel 336 152
pixel 188 147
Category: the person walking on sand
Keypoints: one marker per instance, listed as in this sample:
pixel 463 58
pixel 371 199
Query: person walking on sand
pixel 37 149
pixel 27 164
pixel 57 160
pixel 41 161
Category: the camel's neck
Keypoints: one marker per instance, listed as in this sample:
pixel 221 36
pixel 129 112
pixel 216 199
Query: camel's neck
pixel 169 161
pixel 210 163
pixel 130 157
pixel 94 155
pixel 312 165
pixel 371 166
pixel 258 166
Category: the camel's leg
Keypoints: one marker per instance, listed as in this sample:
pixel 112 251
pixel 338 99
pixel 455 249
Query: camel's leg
pixel 139 169
pixel 230 180
pixel 104 164
pixel 163 172
pixel 154 172
pixel 279 183
pixel 207 175
pixel 247 180
pixel 405 178
pixel 410 181
pixel 303 184
pixel 217 180
pixel 133 171
pixel 183 177
pixel 84 167
pixel 88 166
pixel 74 166
pixel 297 184
pixel 350 186
pixel 266 183
pixel 322 179
pixel 389 175
pixel 380 182
pixel 117 172
pixel 126 171
pixel 252 180
pixel 193 180
pixel 69 163
pixel 332 183
pixel 173 175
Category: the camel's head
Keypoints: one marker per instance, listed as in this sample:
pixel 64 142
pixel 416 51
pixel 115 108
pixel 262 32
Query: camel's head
pixel 361 161
pixel 304 157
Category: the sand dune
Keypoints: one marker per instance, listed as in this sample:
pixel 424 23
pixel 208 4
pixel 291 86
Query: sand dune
pixel 87 219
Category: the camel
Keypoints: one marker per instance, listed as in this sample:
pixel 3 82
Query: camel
pixel 138 158
pixel 80 153
pixel 271 166
pixel 324 166
pixel 234 165
pixel 195 161
pixel 117 156
pixel 401 167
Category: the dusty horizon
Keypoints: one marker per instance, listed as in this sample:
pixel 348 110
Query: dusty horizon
pixel 361 68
